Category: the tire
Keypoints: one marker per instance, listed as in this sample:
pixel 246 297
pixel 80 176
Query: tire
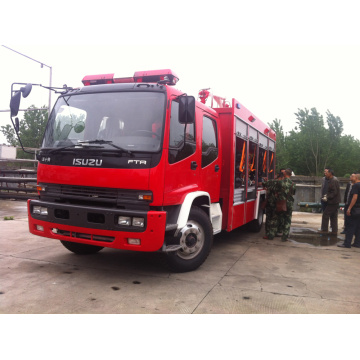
pixel 196 239
pixel 256 224
pixel 81 249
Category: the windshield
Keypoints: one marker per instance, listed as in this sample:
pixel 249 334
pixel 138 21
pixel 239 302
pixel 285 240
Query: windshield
pixel 132 121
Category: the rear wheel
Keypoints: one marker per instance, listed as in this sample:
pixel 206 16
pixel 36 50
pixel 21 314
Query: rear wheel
pixel 196 241
pixel 81 249
pixel 256 224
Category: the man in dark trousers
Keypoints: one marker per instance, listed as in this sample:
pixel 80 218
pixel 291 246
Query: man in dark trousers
pixel 332 199
pixel 324 187
pixel 347 198
pixel 353 215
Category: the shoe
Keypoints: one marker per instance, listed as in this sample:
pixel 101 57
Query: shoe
pixel 343 232
pixel 357 246
pixel 322 232
pixel 333 233
pixel 343 246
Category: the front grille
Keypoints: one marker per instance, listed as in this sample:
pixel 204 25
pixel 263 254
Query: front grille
pixel 84 192
pixel 121 198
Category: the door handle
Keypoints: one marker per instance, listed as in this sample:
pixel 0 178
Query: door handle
pixel 194 165
pixel 217 168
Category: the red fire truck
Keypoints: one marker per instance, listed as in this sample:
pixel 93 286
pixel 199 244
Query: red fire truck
pixel 133 163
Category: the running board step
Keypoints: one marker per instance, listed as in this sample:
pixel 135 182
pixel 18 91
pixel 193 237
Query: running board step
pixel 170 248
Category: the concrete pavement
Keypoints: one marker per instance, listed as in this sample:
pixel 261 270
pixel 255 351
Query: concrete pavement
pixel 243 274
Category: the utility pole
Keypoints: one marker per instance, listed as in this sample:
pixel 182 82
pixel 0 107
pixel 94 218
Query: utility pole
pixel 42 65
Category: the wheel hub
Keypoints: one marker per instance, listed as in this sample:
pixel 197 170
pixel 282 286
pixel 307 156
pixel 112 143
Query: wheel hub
pixel 191 241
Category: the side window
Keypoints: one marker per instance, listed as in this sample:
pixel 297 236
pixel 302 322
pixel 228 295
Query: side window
pixel 262 169
pixel 209 142
pixel 252 169
pixel 178 150
pixel 240 163
pixel 271 173
pixel 271 170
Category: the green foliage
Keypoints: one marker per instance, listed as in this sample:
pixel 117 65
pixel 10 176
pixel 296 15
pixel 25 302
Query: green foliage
pixel 282 155
pixel 311 145
pixel 8 218
pixel 31 130
pixel 9 133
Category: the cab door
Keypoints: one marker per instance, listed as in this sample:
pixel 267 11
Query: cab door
pixel 182 167
pixel 210 172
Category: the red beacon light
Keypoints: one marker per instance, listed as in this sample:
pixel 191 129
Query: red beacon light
pixel 166 76
pixel 98 79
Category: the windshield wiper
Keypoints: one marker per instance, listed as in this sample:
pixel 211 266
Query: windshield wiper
pixel 70 146
pixel 108 142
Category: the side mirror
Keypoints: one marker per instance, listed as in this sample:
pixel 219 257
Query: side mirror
pixel 186 109
pixel 26 90
pixel 15 103
pixel 15 99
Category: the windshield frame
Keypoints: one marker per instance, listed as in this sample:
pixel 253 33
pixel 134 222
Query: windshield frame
pixel 104 89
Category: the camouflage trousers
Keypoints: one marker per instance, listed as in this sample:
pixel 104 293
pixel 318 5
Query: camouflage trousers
pixel 285 220
pixel 272 221
pixel 278 222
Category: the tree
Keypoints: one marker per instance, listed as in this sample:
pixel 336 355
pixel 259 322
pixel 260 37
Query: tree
pixel 346 156
pixel 313 139
pixel 282 155
pixel 31 130
pixel 311 145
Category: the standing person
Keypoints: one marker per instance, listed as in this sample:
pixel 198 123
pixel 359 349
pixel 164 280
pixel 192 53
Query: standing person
pixel 332 199
pixel 324 187
pixel 287 191
pixel 353 214
pixel 271 223
pixel 347 199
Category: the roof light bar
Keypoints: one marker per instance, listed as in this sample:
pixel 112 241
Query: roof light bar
pixel 166 76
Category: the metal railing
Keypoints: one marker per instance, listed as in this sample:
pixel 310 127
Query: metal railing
pixel 18 183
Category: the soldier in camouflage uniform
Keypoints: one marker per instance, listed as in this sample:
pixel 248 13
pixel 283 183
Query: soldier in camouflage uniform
pixel 286 191
pixel 272 218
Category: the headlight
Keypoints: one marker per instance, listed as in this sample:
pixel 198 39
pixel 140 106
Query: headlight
pixel 40 210
pixel 138 222
pixel 124 220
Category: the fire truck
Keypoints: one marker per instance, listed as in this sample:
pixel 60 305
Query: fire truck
pixel 133 163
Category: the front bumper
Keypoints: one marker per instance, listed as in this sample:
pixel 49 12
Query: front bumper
pixel 97 226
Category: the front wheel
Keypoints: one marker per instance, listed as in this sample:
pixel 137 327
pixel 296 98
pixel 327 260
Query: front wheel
pixel 81 249
pixel 196 241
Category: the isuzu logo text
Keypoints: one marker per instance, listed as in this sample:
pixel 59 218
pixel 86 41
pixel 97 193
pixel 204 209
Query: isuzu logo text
pixel 87 162
pixel 137 162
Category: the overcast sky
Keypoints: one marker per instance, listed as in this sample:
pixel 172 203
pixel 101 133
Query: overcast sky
pixel 272 56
